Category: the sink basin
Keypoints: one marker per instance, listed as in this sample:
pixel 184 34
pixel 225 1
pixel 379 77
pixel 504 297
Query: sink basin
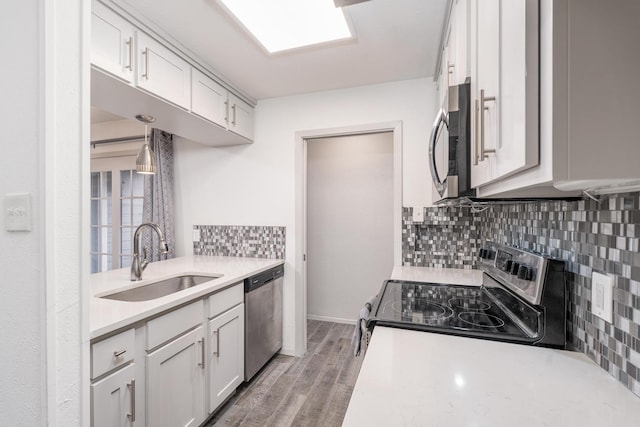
pixel 161 288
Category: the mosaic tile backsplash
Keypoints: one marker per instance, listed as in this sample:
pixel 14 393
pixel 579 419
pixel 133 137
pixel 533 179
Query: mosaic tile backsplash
pixel 240 240
pixel 590 236
pixel 448 237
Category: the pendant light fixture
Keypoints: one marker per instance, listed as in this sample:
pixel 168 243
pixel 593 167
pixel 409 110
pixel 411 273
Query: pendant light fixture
pixel 146 162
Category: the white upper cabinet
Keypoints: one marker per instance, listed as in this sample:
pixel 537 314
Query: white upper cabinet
pixel 504 88
pixel 485 57
pixel 588 99
pixel 456 44
pixel 208 98
pixel 162 72
pixel 213 102
pixel 240 117
pixel 154 79
pixel 112 43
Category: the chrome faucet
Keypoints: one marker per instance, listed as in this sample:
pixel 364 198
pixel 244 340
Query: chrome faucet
pixel 138 266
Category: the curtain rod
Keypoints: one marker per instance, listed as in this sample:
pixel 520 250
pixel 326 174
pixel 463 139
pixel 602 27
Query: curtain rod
pixel 117 140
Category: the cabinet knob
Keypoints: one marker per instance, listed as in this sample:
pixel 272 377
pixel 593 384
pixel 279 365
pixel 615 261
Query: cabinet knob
pixel 515 266
pixel 524 272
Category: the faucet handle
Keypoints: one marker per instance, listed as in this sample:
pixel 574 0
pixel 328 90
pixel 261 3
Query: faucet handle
pixel 144 253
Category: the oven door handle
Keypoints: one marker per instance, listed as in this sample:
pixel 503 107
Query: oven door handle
pixel 441 119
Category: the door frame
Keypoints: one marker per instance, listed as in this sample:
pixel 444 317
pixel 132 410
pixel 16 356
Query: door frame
pixel 300 243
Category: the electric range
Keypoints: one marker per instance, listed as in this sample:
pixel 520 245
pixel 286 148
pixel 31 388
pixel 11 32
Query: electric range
pixel 522 299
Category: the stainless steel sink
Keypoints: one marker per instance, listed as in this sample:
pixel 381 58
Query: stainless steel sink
pixel 161 288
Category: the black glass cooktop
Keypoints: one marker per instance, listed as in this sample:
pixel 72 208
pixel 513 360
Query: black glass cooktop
pixel 454 309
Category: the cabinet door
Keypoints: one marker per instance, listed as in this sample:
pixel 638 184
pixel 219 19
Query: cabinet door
pixel 461 23
pixel 226 355
pixel 518 144
pixel 505 105
pixel 240 117
pixel 112 401
pixel 112 41
pixel 176 382
pixel 208 98
pixel 485 90
pixel 162 72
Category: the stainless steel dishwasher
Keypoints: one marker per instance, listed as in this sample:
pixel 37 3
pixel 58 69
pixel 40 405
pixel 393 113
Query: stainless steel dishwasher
pixel 263 319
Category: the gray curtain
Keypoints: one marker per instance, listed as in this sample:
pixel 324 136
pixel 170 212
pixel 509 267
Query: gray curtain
pixel 158 197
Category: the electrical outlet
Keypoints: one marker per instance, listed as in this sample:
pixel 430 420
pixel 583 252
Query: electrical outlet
pixel 196 235
pixel 418 214
pixel 602 296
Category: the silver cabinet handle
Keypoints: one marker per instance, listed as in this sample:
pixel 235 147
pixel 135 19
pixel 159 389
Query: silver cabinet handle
pixel 119 353
pixel 435 131
pixel 130 44
pixel 132 387
pixel 217 334
pixel 233 122
pixel 476 154
pixel 450 69
pixel 226 111
pixel 483 99
pixel 146 63
pixel 202 355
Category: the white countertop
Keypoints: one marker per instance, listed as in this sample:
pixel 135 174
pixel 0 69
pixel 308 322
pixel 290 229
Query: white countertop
pixel 411 378
pixel 453 276
pixel 109 315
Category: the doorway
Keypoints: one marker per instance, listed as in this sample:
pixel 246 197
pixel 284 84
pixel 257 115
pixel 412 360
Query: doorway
pixel 349 222
pixel 394 129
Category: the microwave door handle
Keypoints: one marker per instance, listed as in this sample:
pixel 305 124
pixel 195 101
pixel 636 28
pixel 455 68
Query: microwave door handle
pixel 441 119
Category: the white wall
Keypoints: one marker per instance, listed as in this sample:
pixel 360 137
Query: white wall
pixel 349 222
pixel 21 258
pixel 254 184
pixel 44 106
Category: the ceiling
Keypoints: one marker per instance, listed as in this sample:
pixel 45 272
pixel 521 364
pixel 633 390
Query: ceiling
pixel 395 40
pixel 101 116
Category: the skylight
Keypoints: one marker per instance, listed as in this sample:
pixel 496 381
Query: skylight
pixel 281 25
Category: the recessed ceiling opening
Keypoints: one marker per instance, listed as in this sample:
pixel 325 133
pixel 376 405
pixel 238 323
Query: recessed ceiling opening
pixel 281 25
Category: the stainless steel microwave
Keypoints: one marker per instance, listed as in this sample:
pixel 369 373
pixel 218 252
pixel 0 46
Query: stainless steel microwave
pixel 450 146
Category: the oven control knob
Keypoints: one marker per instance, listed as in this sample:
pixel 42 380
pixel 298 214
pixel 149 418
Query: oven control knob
pixel 514 268
pixel 524 272
pixel 507 265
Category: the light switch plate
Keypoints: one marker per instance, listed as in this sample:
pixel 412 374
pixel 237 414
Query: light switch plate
pixel 418 214
pixel 17 212
pixel 602 296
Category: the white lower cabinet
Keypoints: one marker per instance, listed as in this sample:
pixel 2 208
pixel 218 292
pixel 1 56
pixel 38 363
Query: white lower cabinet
pixel 112 399
pixel 176 382
pixel 187 362
pixel 226 355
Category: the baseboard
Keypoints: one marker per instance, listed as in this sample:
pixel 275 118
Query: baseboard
pixel 288 351
pixel 331 319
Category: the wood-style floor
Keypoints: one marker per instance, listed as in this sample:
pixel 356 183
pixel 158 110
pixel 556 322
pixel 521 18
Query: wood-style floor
pixel 313 390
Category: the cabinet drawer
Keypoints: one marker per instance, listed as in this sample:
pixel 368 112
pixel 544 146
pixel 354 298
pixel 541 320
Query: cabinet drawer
pixel 112 352
pixel 224 300
pixel 174 323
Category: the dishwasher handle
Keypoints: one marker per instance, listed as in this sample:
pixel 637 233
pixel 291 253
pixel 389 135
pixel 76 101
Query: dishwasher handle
pixel 261 279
